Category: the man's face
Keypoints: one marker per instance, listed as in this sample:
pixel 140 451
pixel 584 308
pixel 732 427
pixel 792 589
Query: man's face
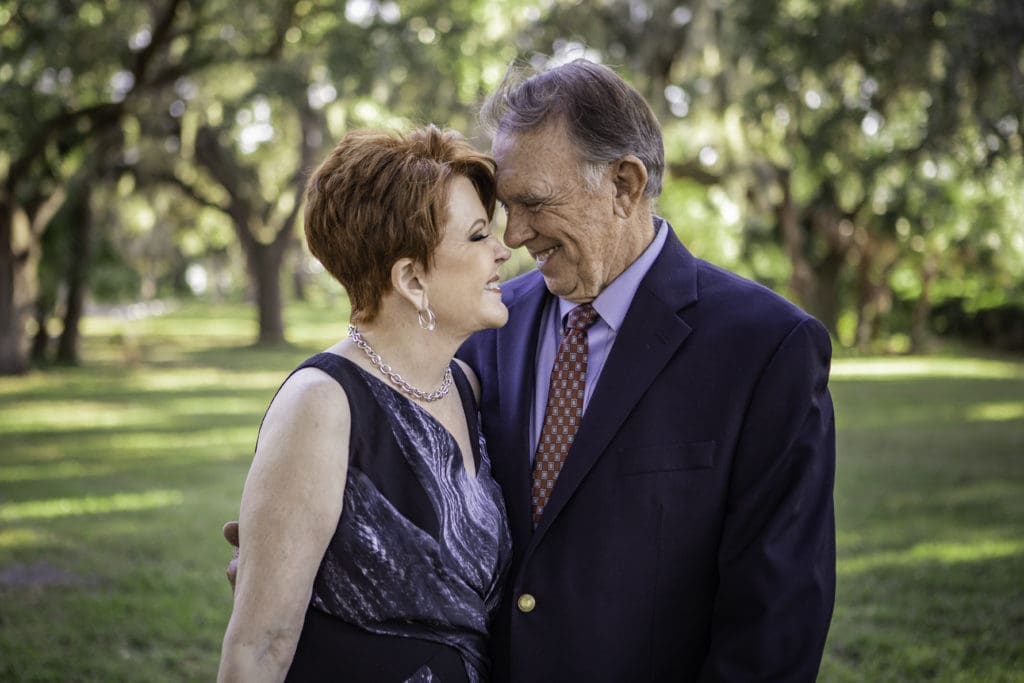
pixel 571 231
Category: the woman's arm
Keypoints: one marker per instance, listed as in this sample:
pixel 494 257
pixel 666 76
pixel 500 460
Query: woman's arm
pixel 290 507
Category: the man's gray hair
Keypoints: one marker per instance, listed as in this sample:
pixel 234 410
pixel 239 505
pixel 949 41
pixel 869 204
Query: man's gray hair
pixel 605 117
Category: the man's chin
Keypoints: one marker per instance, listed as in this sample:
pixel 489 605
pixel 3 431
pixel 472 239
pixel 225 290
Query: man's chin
pixel 570 292
pixel 555 285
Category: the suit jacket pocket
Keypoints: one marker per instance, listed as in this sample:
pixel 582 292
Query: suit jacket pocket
pixel 667 458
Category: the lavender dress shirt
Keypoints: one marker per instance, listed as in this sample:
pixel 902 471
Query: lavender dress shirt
pixel 612 305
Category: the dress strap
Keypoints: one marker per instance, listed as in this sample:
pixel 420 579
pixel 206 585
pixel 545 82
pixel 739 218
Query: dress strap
pixel 470 408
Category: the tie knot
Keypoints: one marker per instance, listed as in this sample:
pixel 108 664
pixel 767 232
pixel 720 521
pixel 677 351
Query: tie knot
pixel 581 317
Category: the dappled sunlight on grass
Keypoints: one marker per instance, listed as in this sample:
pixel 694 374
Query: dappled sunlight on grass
pixel 929 513
pixel 969 488
pixel 996 412
pixel 157 416
pixel 127 409
pixel 184 379
pixel 939 394
pixel 945 553
pixel 220 405
pixel 62 416
pixel 187 441
pixel 103 454
pixel 200 324
pixel 89 505
pixel 908 367
pixel 225 325
pixel 55 470
pixel 23 536
pixel 126 467
pixel 25 383
pixel 127 462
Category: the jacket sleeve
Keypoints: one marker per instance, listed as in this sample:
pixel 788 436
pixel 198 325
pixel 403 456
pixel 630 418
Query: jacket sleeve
pixel 776 560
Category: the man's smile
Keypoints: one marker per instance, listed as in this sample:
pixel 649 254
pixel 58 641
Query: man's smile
pixel 541 256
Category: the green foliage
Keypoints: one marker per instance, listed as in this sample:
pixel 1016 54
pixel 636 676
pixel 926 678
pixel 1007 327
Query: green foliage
pixel 112 279
pixel 848 153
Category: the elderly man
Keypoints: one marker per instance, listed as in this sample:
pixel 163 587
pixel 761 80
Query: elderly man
pixel 661 428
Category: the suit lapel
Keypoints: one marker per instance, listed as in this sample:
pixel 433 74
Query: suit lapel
pixel 516 350
pixel 650 335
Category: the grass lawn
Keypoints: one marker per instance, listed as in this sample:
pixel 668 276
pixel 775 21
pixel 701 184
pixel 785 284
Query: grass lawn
pixel 116 477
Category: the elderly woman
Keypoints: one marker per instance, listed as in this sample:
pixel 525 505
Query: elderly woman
pixel 374 541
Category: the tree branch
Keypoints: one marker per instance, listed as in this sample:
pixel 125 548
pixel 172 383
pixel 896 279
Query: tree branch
pixel 190 190
pixel 160 35
pixel 693 171
pixel 311 123
pixel 104 112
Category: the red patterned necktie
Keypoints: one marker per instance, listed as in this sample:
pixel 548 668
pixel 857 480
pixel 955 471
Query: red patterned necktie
pixel 564 407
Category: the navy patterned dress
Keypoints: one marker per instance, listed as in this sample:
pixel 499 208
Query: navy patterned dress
pixel 415 567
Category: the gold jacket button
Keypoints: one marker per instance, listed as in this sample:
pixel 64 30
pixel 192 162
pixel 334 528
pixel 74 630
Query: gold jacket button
pixel 526 602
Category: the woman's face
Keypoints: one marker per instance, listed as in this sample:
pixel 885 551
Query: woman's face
pixel 462 285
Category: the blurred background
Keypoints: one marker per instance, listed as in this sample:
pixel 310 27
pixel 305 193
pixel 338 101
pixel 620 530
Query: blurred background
pixel 865 158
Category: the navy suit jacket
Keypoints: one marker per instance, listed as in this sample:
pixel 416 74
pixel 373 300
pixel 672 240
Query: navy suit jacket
pixel 690 535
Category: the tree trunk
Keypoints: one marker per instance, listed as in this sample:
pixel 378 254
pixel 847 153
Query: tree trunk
pixel 299 276
pixel 802 278
pixel 41 340
pixel 866 310
pixel 78 268
pixel 265 272
pixel 923 306
pixel 826 294
pixel 249 213
pixel 877 258
pixel 16 289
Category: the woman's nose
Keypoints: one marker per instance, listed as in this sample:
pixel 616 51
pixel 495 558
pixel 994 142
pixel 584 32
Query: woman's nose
pixel 502 253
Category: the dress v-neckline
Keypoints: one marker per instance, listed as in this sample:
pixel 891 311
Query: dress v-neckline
pixel 471 424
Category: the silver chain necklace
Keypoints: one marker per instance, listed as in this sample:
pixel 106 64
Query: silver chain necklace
pixel 396 379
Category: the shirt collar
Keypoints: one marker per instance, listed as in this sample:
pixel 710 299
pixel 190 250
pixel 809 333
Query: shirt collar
pixel 613 303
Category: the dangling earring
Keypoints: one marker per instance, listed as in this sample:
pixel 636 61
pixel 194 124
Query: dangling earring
pixel 427 319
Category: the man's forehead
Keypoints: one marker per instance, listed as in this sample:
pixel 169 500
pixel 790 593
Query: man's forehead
pixel 521 178
pixel 543 135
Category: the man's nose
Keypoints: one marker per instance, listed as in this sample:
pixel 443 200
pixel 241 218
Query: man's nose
pixel 517 229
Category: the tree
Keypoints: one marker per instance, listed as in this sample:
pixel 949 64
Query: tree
pixel 68 88
pixel 853 109
pixel 262 201
pixel 856 154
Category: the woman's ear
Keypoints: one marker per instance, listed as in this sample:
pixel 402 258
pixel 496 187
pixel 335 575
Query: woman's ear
pixel 407 281
pixel 630 177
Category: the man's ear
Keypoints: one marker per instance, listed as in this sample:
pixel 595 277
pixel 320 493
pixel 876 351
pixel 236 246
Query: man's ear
pixel 630 178
pixel 407 280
